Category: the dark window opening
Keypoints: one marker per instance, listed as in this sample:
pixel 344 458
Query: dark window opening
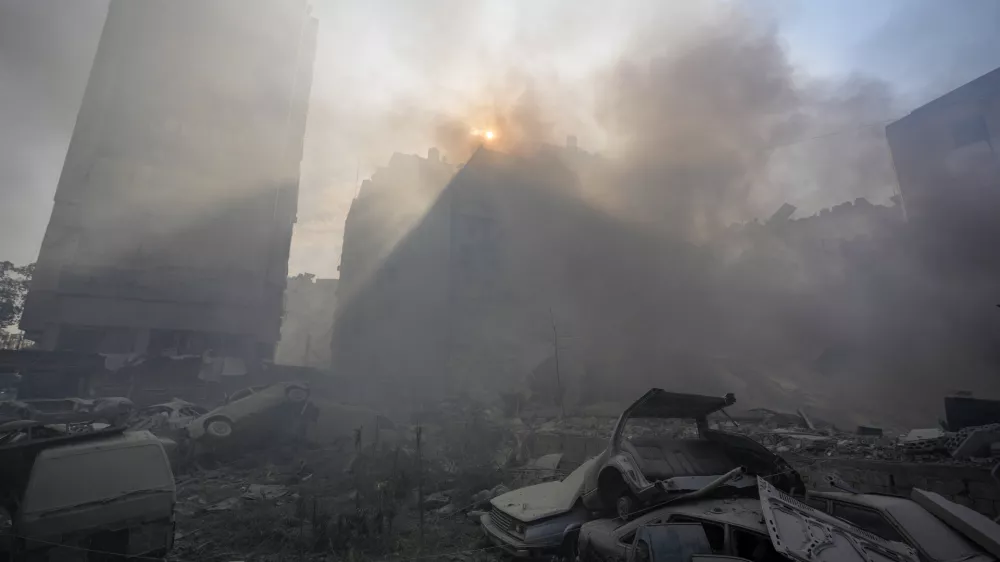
pixel 817 503
pixel 754 547
pixel 715 532
pixel 868 519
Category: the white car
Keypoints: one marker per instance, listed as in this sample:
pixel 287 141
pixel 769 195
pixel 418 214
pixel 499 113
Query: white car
pixel 246 404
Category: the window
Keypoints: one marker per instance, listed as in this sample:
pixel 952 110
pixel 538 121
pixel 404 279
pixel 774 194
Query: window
pixel 868 519
pixel 817 503
pixel 970 131
pixel 715 532
pixel 754 547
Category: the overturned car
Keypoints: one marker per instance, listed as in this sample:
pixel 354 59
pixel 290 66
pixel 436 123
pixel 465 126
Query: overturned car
pixel 638 471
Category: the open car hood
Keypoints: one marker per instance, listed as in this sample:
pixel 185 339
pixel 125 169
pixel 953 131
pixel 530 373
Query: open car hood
pixel 804 534
pixel 658 403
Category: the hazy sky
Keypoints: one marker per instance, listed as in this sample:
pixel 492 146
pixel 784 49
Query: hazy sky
pixel 386 70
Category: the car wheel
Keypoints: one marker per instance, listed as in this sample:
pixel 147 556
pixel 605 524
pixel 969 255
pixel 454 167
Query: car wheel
pixel 626 506
pixel 219 428
pixel 297 394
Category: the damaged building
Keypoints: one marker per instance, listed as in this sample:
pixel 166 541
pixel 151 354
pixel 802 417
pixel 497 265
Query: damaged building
pixel 173 216
pixel 945 152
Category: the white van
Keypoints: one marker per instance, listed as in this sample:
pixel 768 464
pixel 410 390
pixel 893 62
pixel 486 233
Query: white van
pixel 111 494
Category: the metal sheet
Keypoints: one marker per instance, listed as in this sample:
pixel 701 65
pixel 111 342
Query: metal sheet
pixel 805 534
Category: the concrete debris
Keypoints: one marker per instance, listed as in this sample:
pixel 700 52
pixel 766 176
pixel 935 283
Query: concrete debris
pixel 436 500
pixel 973 525
pixel 224 505
pixel 265 492
pixel 978 443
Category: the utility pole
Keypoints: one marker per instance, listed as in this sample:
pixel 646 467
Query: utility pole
pixel 555 345
pixel 305 356
pixel 420 485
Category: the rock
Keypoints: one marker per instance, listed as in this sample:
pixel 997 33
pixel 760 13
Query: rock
pixel 227 504
pixel 498 490
pixel 482 497
pixel 265 491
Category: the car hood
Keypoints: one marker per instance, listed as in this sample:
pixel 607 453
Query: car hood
pixel 544 500
pixel 658 403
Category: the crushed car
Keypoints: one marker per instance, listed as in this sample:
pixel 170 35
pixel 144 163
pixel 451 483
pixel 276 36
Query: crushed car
pixel 539 520
pixel 903 520
pixel 636 472
pixel 774 528
pixel 247 405
pixel 168 416
pixel 123 513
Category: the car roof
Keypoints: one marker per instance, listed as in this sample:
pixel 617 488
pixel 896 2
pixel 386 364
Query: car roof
pixel 122 440
pixel 934 536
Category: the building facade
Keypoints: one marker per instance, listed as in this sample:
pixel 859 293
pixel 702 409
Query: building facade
pixel 947 152
pixel 173 215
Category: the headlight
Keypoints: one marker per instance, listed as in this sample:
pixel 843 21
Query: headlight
pixel 519 528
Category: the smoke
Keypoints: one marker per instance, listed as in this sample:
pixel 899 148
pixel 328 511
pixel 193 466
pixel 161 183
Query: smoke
pixel 701 130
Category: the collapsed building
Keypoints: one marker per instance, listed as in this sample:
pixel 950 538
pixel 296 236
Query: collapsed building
pixel 173 216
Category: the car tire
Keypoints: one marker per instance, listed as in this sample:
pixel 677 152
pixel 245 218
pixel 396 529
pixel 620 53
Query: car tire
pixel 626 506
pixel 297 394
pixel 218 428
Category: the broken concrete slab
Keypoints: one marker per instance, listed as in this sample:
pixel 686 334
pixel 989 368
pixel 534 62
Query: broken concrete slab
pixel 976 526
pixel 978 443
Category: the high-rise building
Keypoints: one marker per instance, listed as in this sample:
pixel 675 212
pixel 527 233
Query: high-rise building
pixel 173 215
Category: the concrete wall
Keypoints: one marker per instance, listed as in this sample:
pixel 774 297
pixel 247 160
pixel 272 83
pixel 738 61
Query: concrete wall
pixel 969 486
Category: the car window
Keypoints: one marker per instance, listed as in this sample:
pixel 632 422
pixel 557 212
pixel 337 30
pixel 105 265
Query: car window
pixel 627 538
pixel 754 546
pixel 241 394
pixel 191 412
pixel 868 519
pixel 715 532
pixel 817 503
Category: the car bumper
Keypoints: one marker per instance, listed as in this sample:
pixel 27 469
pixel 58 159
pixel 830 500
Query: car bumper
pixel 514 546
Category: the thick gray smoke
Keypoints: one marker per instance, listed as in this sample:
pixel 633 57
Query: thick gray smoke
pixel 716 129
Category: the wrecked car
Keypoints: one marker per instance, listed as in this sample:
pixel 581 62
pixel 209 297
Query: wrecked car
pixel 541 519
pixel 169 416
pixel 71 490
pixel 774 528
pixel 900 519
pixel 245 405
pixel 634 472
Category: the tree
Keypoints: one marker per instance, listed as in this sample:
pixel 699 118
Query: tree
pixel 14 283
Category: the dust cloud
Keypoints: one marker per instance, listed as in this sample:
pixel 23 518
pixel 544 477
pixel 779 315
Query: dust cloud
pixel 701 132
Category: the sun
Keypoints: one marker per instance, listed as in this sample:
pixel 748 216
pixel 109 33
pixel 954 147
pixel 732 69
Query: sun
pixel 489 135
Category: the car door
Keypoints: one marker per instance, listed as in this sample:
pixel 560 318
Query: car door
pixel 805 534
